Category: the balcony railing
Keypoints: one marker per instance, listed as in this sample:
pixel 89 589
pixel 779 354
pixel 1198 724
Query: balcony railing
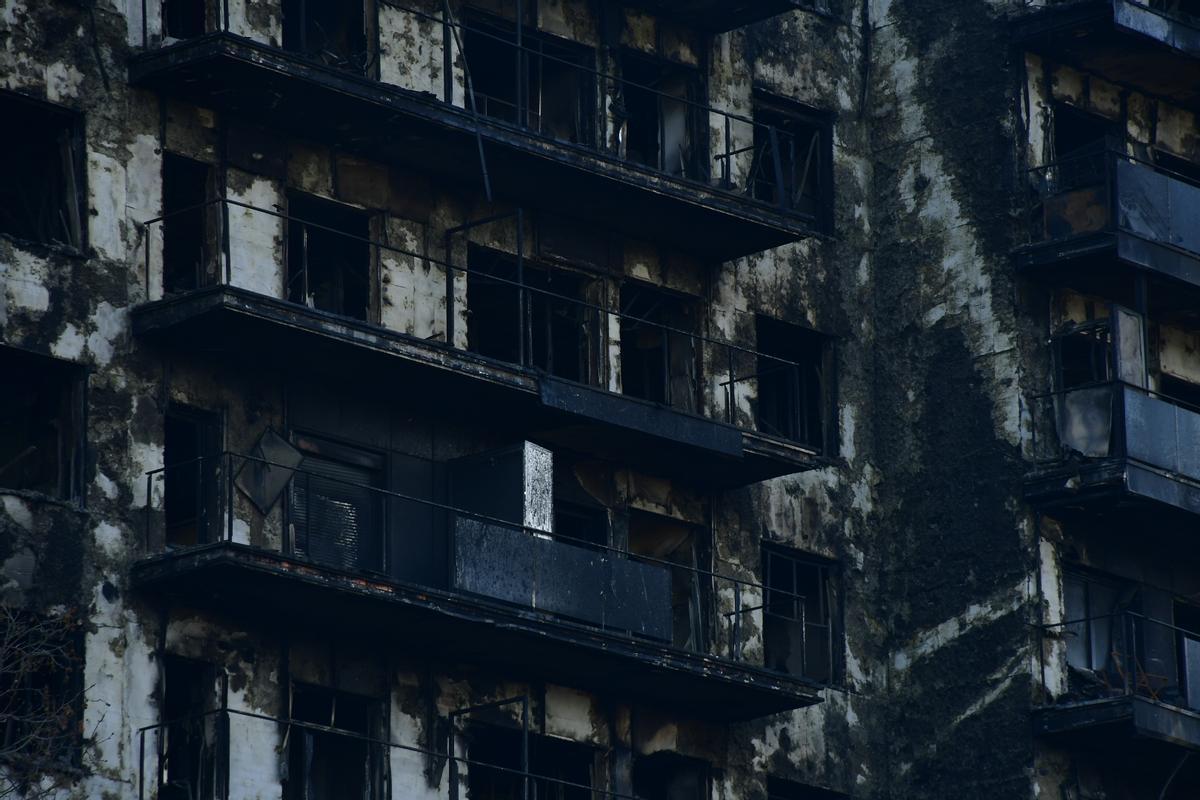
pixel 717 377
pixel 360 531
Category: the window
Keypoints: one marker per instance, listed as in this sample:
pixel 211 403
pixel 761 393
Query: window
pixel 333 32
pixel 670 776
pixel 663 126
pixel 1084 355
pixel 329 259
pixel 792 165
pixel 793 382
pixel 183 19
pixel 41 424
pixel 659 355
pixel 797 614
pixel 552 330
pixel 191 738
pixel 1077 132
pixel 555 78
pixel 336 513
pixel 678 543
pixel 780 789
pixel 327 765
pixel 41 158
pixel 191 450
pixel 564 768
pixel 190 224
pixel 1089 608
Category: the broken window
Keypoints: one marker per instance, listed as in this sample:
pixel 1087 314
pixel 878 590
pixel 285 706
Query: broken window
pixel 184 19
pixel 41 158
pixel 1083 354
pixel 190 224
pixel 659 354
pixel 792 152
pixel 191 450
pixel 564 769
pixel 669 776
pixel 336 514
pixel 1076 132
pixel 339 763
pixel 329 257
pixel 191 741
pixel 797 618
pixel 680 544
pixel 554 77
pixel 551 330
pixel 1093 627
pixel 793 382
pixel 781 789
pixel 333 32
pixel 41 424
pixel 660 120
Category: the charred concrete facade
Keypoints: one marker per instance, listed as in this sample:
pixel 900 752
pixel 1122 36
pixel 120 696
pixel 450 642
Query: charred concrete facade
pixel 573 398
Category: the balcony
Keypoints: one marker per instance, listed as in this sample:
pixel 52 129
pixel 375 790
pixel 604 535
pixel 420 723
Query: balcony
pixel 1122 680
pixel 510 366
pixel 1133 43
pixel 1099 219
pixel 285 541
pixel 668 169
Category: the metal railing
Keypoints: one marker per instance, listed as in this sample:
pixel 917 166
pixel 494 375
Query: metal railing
pixel 352 528
pixel 758 162
pixel 1121 654
pixel 596 330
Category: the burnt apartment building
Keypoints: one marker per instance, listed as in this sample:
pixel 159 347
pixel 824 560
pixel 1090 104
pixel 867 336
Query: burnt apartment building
pixel 622 399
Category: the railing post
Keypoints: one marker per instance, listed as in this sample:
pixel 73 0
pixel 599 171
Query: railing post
pixel 729 393
pixel 149 510
pixel 727 166
pixel 225 241
pixel 453 762
pixel 523 352
pixel 735 639
pixel 228 478
pixel 780 188
pixel 447 56
pixel 142 735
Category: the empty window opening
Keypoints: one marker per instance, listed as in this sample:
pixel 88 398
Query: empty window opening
pixel 549 328
pixel 791 157
pixel 190 223
pixel 792 382
pixel 780 789
pixel 191 746
pixel 680 544
pixel 183 19
pixel 663 127
pixel 41 424
pixel 332 32
pixel 41 160
pixel 797 619
pixel 191 448
pixel 328 765
pixel 670 776
pixel 336 515
pixel 1093 629
pixel 554 77
pixel 1084 355
pixel 1078 133
pixel 659 355
pixel 581 525
pixel 329 259
pixel 563 770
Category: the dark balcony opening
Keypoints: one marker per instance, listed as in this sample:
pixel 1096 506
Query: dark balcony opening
pixel 669 776
pixel 663 126
pixel 328 259
pixel 332 32
pixel 185 19
pixel 1083 354
pixel 327 765
pixel 41 159
pixel 793 382
pixel 1182 391
pixel 792 157
pixel 335 517
pixel 659 356
pixel 1189 170
pixel 554 79
pixel 192 742
pixel 670 540
pixel 192 442
pixel 564 769
pixel 546 326
pixel 798 629
pixel 1077 132
pixel 190 224
pixel 581 525
pixel 41 424
pixel 781 789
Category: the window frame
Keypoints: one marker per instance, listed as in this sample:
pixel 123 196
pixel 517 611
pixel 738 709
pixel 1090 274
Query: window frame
pixel 821 123
pixel 829 576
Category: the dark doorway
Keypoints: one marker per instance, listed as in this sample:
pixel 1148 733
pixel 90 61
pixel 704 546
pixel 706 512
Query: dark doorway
pixel 664 125
pixel 659 354
pixel 792 382
pixel 191 452
pixel 329 258
pixel 192 746
pixel 563 768
pixel 189 224
pixel 184 19
pixel 41 424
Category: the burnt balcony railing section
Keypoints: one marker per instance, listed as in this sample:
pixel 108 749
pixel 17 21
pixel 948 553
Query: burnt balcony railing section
pixel 1121 655
pixel 534 315
pixel 762 163
pixel 1105 191
pixel 338 524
